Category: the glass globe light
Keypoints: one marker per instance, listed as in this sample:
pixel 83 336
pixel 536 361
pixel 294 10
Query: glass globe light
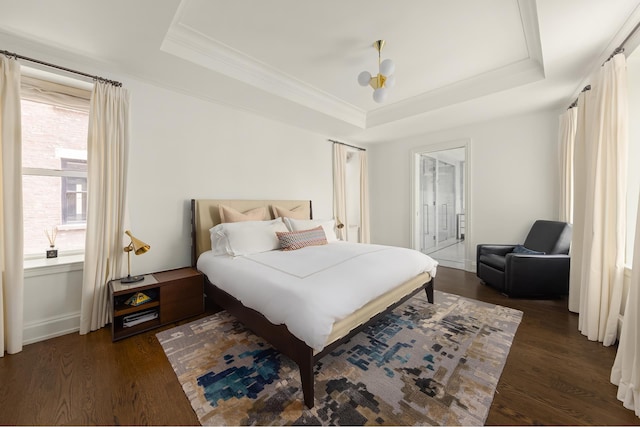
pixel 390 82
pixel 380 94
pixel 387 67
pixel 364 78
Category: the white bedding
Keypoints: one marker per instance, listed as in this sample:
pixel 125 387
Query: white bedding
pixel 311 288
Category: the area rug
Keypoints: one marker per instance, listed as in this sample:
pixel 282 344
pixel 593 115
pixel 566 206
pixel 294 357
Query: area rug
pixel 421 364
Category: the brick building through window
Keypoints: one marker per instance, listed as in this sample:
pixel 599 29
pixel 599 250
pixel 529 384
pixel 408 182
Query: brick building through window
pixel 54 160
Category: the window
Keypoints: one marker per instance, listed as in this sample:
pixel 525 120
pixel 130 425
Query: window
pixel 74 193
pixel 55 121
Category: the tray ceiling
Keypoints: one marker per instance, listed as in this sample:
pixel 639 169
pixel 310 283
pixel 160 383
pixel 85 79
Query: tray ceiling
pixel 457 61
pixel 445 52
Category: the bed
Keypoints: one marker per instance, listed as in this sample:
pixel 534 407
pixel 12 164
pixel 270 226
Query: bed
pixel 303 347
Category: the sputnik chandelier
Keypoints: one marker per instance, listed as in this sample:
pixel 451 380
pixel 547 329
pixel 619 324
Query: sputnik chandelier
pixel 385 79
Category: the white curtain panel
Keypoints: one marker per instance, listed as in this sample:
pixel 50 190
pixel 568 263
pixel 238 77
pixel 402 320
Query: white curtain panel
pixel 604 227
pixel 107 156
pixel 626 368
pixel 11 225
pixel 365 234
pixel 566 139
pixel 580 176
pixel 340 189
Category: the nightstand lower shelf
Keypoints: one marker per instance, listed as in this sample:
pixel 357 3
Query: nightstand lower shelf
pixel 174 295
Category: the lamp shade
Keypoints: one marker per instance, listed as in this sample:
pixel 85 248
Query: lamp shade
pixel 390 81
pixel 139 247
pixel 383 80
pixel 387 67
pixel 380 94
pixel 364 78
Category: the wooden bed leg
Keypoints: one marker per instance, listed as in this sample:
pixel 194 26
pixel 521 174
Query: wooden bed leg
pixel 429 290
pixel 306 377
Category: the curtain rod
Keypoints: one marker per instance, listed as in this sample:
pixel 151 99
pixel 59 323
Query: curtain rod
pixel 575 103
pixel 352 146
pixel 616 51
pixel 47 64
pixel 620 47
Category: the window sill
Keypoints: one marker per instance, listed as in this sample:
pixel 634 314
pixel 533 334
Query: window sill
pixel 72 227
pixel 46 266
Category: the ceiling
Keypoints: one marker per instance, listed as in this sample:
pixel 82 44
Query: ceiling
pixel 457 61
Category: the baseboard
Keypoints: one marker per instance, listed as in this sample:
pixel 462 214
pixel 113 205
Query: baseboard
pixel 471 266
pixel 50 328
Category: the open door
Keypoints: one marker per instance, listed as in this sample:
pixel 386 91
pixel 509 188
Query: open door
pixel 440 204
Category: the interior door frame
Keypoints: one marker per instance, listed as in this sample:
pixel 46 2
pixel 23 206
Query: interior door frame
pixel 414 161
pixel 428 221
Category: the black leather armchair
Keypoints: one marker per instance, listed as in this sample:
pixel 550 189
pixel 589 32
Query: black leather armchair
pixel 526 273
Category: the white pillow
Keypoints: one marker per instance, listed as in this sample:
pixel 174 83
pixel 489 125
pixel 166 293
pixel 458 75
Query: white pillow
pixel 247 237
pixel 328 225
pixel 219 241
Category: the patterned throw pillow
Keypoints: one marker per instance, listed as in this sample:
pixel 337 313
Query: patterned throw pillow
pixel 292 240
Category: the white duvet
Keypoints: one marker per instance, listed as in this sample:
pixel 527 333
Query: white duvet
pixel 310 289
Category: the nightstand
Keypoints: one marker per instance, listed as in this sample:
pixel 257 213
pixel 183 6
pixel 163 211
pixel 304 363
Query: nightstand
pixel 173 295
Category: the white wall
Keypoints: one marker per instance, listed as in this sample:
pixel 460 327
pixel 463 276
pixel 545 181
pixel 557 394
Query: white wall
pixel 514 180
pixel 184 148
pixel 51 301
pixel 181 148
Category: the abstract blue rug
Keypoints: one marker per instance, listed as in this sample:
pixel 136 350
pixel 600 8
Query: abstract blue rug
pixel 421 364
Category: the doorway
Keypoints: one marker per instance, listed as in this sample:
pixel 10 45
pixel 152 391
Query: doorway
pixel 440 203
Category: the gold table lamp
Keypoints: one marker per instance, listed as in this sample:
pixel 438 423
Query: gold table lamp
pixel 138 247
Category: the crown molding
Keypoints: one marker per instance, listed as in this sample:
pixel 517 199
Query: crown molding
pixel 183 41
pixel 507 77
pixel 531 30
pixel 191 45
pixel 527 70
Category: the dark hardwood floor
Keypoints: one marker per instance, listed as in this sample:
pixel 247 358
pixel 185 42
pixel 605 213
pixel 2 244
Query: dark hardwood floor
pixel 553 374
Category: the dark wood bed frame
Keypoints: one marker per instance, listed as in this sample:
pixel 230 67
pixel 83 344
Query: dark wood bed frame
pixel 278 335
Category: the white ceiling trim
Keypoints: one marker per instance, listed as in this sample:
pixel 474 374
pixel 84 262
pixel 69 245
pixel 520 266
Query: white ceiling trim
pixel 531 29
pixel 187 43
pixel 527 70
pixel 507 77
pixel 190 44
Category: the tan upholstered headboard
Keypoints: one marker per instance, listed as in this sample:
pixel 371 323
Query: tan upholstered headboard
pixel 205 214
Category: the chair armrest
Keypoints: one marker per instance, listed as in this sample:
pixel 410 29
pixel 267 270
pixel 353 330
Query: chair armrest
pixel 487 249
pixel 536 275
